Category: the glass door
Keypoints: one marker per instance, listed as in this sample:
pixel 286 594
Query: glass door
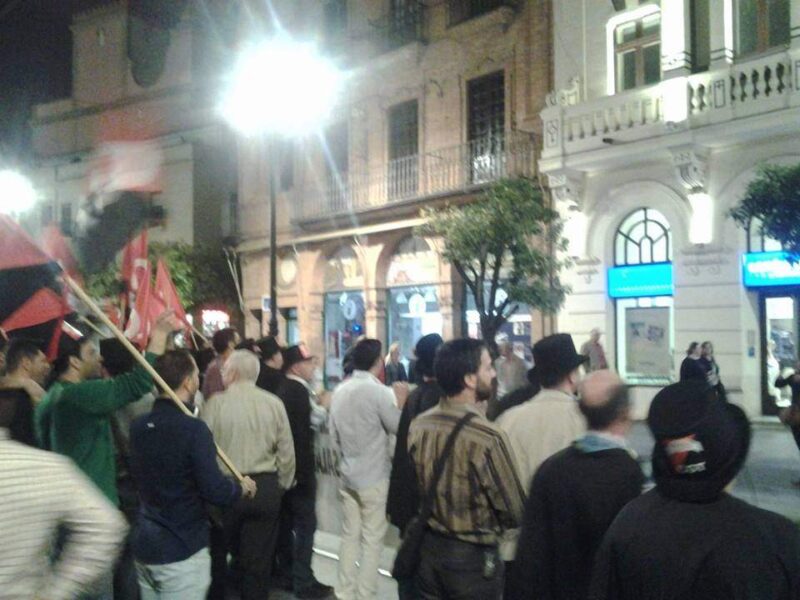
pixel 779 341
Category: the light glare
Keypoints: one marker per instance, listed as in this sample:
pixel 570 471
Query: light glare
pixel 17 194
pixel 281 86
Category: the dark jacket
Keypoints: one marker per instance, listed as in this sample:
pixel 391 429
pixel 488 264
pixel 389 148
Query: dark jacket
pixel 269 379
pixel 395 372
pixel 174 465
pixel 664 549
pixel 403 500
pixel 691 368
pixel 515 398
pixel 295 398
pixel 574 498
pixel 793 384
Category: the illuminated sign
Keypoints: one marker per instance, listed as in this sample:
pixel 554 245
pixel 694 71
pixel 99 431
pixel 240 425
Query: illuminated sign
pixel 766 269
pixel 640 281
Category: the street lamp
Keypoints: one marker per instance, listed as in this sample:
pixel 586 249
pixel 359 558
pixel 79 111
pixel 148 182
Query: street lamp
pixel 279 87
pixel 17 194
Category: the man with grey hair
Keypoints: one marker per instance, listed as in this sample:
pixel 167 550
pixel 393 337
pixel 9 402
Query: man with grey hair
pixel 252 428
pixel 575 495
pixel 593 349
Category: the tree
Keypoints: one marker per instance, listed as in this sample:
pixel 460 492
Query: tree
pixel 200 273
pixel 508 238
pixel 772 201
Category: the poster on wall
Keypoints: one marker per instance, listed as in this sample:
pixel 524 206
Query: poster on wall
pixel 647 341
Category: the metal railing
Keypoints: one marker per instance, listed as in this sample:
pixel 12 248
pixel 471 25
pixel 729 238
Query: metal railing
pixel 463 10
pixel 447 170
pixel 405 22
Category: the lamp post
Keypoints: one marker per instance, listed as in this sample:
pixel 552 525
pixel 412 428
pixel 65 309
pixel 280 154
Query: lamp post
pixel 279 87
pixel 17 194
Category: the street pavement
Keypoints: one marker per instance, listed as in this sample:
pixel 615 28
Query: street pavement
pixel 766 481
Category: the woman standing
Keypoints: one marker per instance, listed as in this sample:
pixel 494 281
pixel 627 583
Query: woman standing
pixel 395 370
pixel 691 367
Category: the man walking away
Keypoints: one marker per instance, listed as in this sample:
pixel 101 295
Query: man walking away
pixel 173 461
pixel 251 427
pixel 479 492
pixel 271 374
pixel 298 508
pixel 688 538
pixel 363 415
pixel 224 342
pixel 42 493
pixel 547 423
pixel 593 350
pixel 575 496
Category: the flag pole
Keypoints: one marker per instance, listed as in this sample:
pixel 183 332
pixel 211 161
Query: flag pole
pixel 84 297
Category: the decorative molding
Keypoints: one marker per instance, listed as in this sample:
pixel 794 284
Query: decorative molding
pixel 567 188
pixel 705 259
pixel 568 96
pixel 587 268
pixel 691 167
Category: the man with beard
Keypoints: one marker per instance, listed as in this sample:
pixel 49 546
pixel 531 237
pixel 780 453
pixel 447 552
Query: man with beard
pixel 479 493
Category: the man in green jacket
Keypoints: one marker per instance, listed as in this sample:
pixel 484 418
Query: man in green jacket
pixel 73 418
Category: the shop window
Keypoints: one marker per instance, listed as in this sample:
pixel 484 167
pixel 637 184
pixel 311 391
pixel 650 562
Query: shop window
pixel 644 325
pixel 403 150
pixel 292 328
pixel 761 25
pixel 344 322
pixel 637 52
pixel 781 348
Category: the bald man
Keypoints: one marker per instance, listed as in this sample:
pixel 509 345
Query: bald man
pixel 576 494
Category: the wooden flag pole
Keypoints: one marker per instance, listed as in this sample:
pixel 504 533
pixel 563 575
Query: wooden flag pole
pixel 84 297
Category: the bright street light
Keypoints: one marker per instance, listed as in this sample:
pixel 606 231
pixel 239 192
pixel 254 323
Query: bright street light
pixel 279 87
pixel 16 193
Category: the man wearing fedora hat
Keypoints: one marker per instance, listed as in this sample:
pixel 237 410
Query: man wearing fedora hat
pixel 688 538
pixel 548 422
pixel 298 507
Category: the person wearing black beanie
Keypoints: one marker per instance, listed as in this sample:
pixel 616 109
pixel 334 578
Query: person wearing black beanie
pixel 688 538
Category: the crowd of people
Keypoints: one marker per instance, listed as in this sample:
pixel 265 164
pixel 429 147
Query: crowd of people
pixel 110 489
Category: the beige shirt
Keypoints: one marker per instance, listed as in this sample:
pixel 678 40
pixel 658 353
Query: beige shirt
pixel 251 427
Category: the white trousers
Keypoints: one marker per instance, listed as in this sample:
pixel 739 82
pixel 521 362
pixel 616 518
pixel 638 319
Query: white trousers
pixel 364 525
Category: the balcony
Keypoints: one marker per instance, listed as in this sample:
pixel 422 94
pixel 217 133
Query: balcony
pixel 456 169
pixel 746 89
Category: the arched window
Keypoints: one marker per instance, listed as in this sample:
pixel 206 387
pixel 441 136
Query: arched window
pixel 643 237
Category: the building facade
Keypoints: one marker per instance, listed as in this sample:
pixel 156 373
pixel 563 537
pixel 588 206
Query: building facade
pixel 661 115
pixel 441 99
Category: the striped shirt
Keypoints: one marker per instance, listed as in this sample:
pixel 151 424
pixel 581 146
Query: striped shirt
pixel 479 494
pixel 40 492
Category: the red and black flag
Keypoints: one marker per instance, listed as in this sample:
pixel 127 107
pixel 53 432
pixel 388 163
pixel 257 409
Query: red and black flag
pixel 32 300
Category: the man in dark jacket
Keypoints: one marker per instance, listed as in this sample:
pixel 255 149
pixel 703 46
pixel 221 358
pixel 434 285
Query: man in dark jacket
pixel 173 462
pixel 271 374
pixel 575 495
pixel 688 538
pixel 298 508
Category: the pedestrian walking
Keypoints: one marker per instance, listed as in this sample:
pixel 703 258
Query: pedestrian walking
pixel 594 351
pixel 511 369
pixel 251 427
pixel 173 462
pixel 688 538
pixel 395 370
pixel 363 415
pixel 547 423
pixel 575 495
pixel 711 368
pixel 403 501
pixel 298 507
pixel 224 342
pixel 691 367
pixel 478 494
pixel 44 495
pixel 271 374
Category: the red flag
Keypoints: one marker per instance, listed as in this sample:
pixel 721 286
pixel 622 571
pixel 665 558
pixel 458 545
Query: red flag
pixel 17 249
pixel 166 292
pixel 45 305
pixel 144 313
pixel 54 243
pixel 134 263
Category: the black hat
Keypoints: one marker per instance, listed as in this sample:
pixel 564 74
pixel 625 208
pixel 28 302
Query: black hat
pixel 555 355
pixel 295 354
pixel 701 442
pixel 425 351
pixel 269 347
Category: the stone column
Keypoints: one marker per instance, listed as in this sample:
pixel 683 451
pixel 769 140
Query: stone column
pixel 721 22
pixel 375 318
pixel 794 20
pixel 676 39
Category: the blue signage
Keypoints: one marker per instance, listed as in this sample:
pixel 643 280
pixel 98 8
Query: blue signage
pixel 767 269
pixel 640 281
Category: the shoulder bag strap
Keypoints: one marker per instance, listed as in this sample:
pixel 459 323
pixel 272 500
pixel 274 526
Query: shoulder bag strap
pixel 427 504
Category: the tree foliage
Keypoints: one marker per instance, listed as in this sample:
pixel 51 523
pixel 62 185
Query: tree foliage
pixel 772 203
pixel 508 238
pixel 200 273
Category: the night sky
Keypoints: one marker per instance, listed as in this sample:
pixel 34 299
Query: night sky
pixel 35 66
